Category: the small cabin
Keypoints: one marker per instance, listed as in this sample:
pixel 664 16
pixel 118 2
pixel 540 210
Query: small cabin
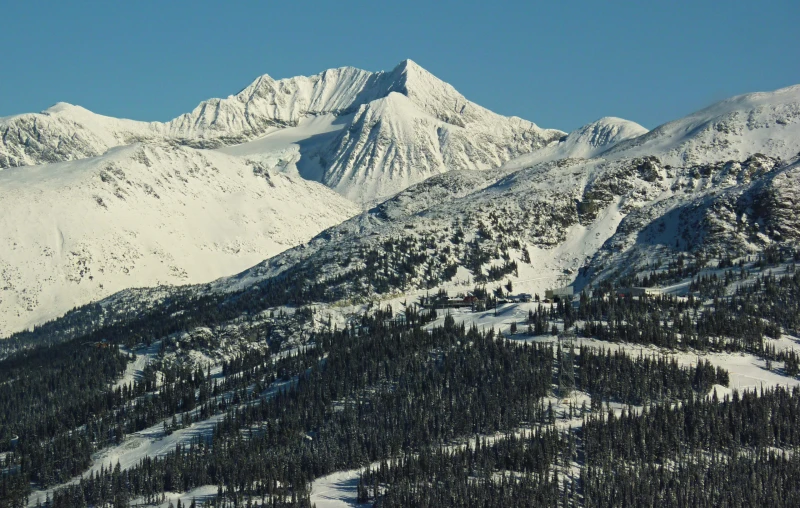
pixel 559 293
pixel 522 297
pixel 639 291
pixel 397 320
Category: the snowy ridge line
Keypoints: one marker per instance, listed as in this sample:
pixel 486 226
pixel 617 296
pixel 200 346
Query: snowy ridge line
pixel 397 128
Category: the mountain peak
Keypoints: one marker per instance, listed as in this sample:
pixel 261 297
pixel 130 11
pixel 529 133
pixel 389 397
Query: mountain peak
pixel 431 94
pixel 408 76
pixel 615 120
pixel 61 107
pixel 584 142
pixel 409 66
pixel 605 132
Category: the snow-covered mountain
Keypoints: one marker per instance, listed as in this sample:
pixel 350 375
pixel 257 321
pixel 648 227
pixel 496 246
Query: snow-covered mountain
pixel 608 199
pixel 144 215
pixel 597 202
pixel 392 129
pixel 733 129
pixel 366 135
pixel 584 143
pixel 62 133
pixel 422 127
pixel 90 205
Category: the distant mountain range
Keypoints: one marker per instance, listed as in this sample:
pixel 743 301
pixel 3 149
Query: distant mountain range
pixel 90 205
pixel 366 135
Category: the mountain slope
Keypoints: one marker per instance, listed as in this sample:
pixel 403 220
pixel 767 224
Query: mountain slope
pixel 143 215
pixel 722 210
pixel 605 216
pixel 571 220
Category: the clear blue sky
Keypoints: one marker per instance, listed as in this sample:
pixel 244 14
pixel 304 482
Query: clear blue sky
pixel 559 64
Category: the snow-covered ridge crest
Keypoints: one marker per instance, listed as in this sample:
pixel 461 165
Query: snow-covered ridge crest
pixel 585 143
pixel 436 97
pixel 605 132
pixel 729 130
pixel 65 132
pixel 397 128
pixel 732 129
pixel 266 103
pixel 274 103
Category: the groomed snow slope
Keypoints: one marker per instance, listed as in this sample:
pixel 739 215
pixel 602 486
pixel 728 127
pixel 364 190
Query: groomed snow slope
pixel 144 215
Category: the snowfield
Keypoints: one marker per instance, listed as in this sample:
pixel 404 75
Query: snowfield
pixel 144 215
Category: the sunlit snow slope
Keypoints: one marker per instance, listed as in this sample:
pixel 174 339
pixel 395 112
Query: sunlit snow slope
pixel 733 129
pixel 143 215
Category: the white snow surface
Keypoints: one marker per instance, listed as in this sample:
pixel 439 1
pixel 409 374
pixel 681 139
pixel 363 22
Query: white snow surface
pixel 585 143
pixel 733 129
pixel 144 215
